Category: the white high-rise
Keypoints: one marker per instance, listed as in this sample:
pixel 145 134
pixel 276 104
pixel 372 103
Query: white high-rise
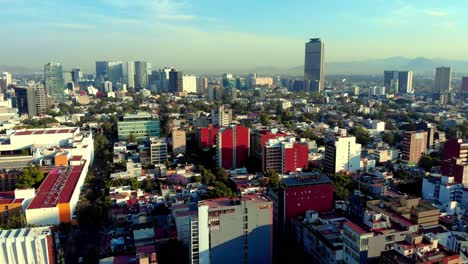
pixel 342 153
pixel 130 74
pixel 443 79
pixel 189 83
pixel 164 75
pixel 405 82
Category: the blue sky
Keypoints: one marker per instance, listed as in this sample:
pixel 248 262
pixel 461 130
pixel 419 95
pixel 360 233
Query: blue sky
pixel 209 34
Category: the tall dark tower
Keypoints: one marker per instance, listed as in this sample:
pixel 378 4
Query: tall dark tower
pixel 313 66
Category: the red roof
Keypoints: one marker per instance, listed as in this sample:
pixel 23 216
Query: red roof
pixel 57 187
pixel 76 158
pixel 7 197
pixel 356 228
pixel 45 131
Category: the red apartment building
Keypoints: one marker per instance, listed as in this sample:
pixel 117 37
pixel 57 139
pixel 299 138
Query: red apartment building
pixel 285 155
pixel 455 160
pixel 260 137
pixel 207 136
pixel 233 146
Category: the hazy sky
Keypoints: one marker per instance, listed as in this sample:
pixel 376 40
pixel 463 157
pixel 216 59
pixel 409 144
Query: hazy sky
pixel 213 34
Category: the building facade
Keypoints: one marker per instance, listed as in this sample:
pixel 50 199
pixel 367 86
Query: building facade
pixel 414 145
pixel 342 153
pixel 178 142
pixel 222 116
pixel 314 64
pixel 141 75
pixel 233 146
pixel 158 150
pixel 285 155
pixel 53 79
pixel 443 79
pixel 141 125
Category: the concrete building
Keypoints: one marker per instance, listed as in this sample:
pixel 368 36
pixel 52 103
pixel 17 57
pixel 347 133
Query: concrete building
pixel 405 82
pixel 342 153
pixel 164 79
pixel 13 204
pixel 284 155
pixel 379 126
pixel 158 150
pixel 28 245
pixel 175 81
pixel 444 190
pixel 443 79
pixel 455 160
pixel 141 75
pixel 189 83
pixel 178 142
pixel 414 145
pixel 108 87
pixel 26 101
pixel 226 230
pixel 202 85
pixel 207 137
pixel 233 146
pixel 259 138
pixel 53 79
pixel 314 64
pixel 141 125
pixel 419 249
pixel 56 198
pixel 222 116
pixel 77 75
pixel 391 81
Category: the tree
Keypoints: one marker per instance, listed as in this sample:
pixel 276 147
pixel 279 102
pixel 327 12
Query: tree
pixel 264 119
pixel 274 179
pixel 426 162
pixel 388 138
pixel 131 138
pixel 30 177
pixel 342 185
pixel 134 183
pixel 100 145
pixel 264 181
pixel 148 185
pixel 361 134
pixel 221 175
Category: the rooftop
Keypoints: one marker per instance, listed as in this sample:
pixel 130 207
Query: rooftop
pixel 306 178
pixel 25 232
pixel 226 201
pixel 44 131
pixel 57 187
pixel 9 198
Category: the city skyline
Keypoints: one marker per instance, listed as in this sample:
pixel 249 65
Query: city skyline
pixel 207 35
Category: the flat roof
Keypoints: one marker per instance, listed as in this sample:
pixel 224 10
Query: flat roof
pixel 25 232
pixel 226 201
pixel 356 228
pixel 7 197
pixel 301 179
pixel 57 188
pixel 45 131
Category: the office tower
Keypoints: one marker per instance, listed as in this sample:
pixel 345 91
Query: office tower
pixel 41 99
pixel 164 79
pixel 77 75
pixel 233 146
pixel 189 83
pixel 391 81
pixel 202 85
pixel 342 154
pixel 222 116
pixel 114 72
pixel 227 230
pixel 285 155
pixel 129 73
pixel 141 75
pixel 313 66
pixel 141 125
pixel 26 101
pixel 228 81
pixel 178 142
pixel 175 81
pixel 67 77
pixel 414 145
pixel 102 70
pixel 108 87
pixel 443 79
pixel 28 245
pixel 54 83
pixel 405 82
pixel 158 150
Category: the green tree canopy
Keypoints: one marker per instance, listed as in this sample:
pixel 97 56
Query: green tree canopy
pixel 30 177
pixel 342 184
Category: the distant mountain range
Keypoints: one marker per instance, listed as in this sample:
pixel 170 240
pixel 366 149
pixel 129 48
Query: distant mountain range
pixel 419 65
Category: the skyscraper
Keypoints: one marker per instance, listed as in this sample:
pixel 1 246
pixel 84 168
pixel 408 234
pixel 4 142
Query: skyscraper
pixel 164 79
pixel 76 75
pixel 141 75
pixel 26 101
pixel 53 78
pixel 391 81
pixel 130 74
pixel 114 72
pixel 101 70
pixel 175 81
pixel 189 83
pixel 405 82
pixel 313 66
pixel 41 99
pixel 443 79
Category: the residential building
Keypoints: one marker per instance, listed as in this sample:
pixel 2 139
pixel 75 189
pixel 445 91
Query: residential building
pixel 202 85
pixel 222 116
pixel 129 74
pixel 259 138
pixel 207 136
pixel 405 82
pixel 443 79
pixel 141 125
pixel 41 99
pixel 419 249
pixel 28 245
pixel 108 87
pixel 58 195
pixel 444 190
pixel 189 83
pixel 13 203
pixel 227 230
pixel 233 146
pixel 414 145
pixel 178 142
pixel 26 101
pixel 141 75
pixel 342 154
pixel 158 150
pixel 175 81
pixel 53 79
pixel 314 64
pixel 8 177
pixel 285 155
pixel 364 242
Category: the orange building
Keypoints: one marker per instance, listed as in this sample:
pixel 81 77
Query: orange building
pixel 9 206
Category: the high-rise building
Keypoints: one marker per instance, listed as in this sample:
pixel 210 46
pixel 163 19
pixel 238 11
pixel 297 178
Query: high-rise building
pixel 41 99
pixel 115 72
pixel 455 160
pixel 342 153
pixel 464 84
pixel 443 80
pixel 102 70
pixel 207 136
pixel 108 87
pixel 391 81
pixel 141 125
pixel 202 85
pixel 77 75
pixel 158 150
pixel 313 66
pixel 26 101
pixel 259 138
pixel 233 146
pixel 178 142
pixel 67 77
pixel 222 116
pixel 28 245
pixel 164 79
pixel 54 83
pixel 141 75
pixel 7 77
pixel 414 144
pixel 405 82
pixel 129 74
pixel 189 83
pixel 175 81
pixel 285 155
pixel 226 230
